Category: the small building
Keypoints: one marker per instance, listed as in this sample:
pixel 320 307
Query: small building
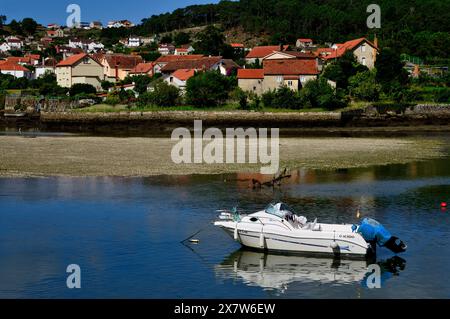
pixel 49 66
pixel 165 59
pixel 251 80
pixel 143 69
pixel 258 53
pixel 364 51
pixel 118 66
pixel 14 69
pixel 180 77
pixel 292 73
pixel 181 51
pixel 120 24
pixel 79 68
pixel 134 42
pixel 58 33
pixel 96 25
pixel 166 49
pixel 303 43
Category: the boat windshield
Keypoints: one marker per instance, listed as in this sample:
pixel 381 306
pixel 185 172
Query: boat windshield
pixel 279 209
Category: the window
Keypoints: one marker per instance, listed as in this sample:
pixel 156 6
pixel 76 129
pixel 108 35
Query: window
pixel 363 48
pixel 86 60
pixel 171 79
pixel 289 83
pixel 363 61
pixel 279 79
pixel 254 88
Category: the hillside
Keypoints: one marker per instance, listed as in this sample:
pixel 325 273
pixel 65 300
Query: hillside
pixel 412 27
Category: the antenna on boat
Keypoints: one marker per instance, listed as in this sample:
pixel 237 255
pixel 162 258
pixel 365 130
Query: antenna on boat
pixel 358 213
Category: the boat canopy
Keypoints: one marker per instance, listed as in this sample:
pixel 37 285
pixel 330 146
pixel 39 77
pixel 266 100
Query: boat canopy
pixel 279 210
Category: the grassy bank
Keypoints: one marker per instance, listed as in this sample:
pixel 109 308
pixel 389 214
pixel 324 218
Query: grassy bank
pixel 228 107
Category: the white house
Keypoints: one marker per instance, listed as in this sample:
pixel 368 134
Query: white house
pixel 5 47
pixel 166 49
pixel 14 43
pixel 134 42
pixel 86 45
pixel 180 77
pixel 14 69
pixel 49 66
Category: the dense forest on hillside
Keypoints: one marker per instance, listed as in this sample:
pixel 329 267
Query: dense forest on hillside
pixel 416 27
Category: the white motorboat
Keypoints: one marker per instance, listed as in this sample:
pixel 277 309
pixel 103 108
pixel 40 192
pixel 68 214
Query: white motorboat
pixel 278 228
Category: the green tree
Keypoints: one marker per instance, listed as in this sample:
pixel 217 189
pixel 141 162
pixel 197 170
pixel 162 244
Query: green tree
pixel 341 70
pixel 29 26
pixel 210 41
pixel 166 39
pixel 285 98
pixel 151 56
pixel 364 86
pixel 208 89
pixel 82 88
pixel 106 85
pixel 162 94
pixel 15 27
pixel 141 83
pixel 182 38
pixel 320 94
pixel 390 73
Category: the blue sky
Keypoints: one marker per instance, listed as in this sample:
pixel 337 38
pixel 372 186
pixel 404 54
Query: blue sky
pixel 50 11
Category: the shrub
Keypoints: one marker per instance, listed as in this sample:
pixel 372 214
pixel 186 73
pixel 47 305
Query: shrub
pixel 267 98
pixel 320 94
pixel 207 89
pixel 112 100
pixel 81 88
pixel 162 94
pixel 363 86
pixel 285 98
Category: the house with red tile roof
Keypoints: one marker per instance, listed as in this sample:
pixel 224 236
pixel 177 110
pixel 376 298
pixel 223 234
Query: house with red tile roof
pixel 118 66
pixel 304 43
pixel 143 69
pixel 364 51
pixel 165 59
pixel 58 33
pixel 201 64
pixel 14 69
pixel 180 77
pixel 292 73
pixel 250 80
pixel 258 53
pixel 79 68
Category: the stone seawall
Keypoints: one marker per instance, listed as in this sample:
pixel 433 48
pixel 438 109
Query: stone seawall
pixel 164 121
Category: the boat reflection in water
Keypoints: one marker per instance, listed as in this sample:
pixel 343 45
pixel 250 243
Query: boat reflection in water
pixel 276 272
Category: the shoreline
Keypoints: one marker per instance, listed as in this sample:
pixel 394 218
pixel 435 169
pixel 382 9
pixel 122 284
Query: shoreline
pixel 83 156
pixel 371 120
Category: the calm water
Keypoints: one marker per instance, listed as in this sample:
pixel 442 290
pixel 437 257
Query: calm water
pixel 125 234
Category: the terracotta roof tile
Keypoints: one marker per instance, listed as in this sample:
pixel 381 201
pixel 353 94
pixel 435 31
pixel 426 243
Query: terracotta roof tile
pixel 290 67
pixel 183 74
pixel 172 58
pixel 250 74
pixel 72 59
pixel 261 52
pixel 11 66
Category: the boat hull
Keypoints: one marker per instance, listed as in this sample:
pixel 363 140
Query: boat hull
pixel 296 243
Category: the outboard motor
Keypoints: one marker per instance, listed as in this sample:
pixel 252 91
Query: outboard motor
pixel 372 231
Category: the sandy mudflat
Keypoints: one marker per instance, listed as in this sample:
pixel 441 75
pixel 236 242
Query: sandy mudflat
pixel 110 156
